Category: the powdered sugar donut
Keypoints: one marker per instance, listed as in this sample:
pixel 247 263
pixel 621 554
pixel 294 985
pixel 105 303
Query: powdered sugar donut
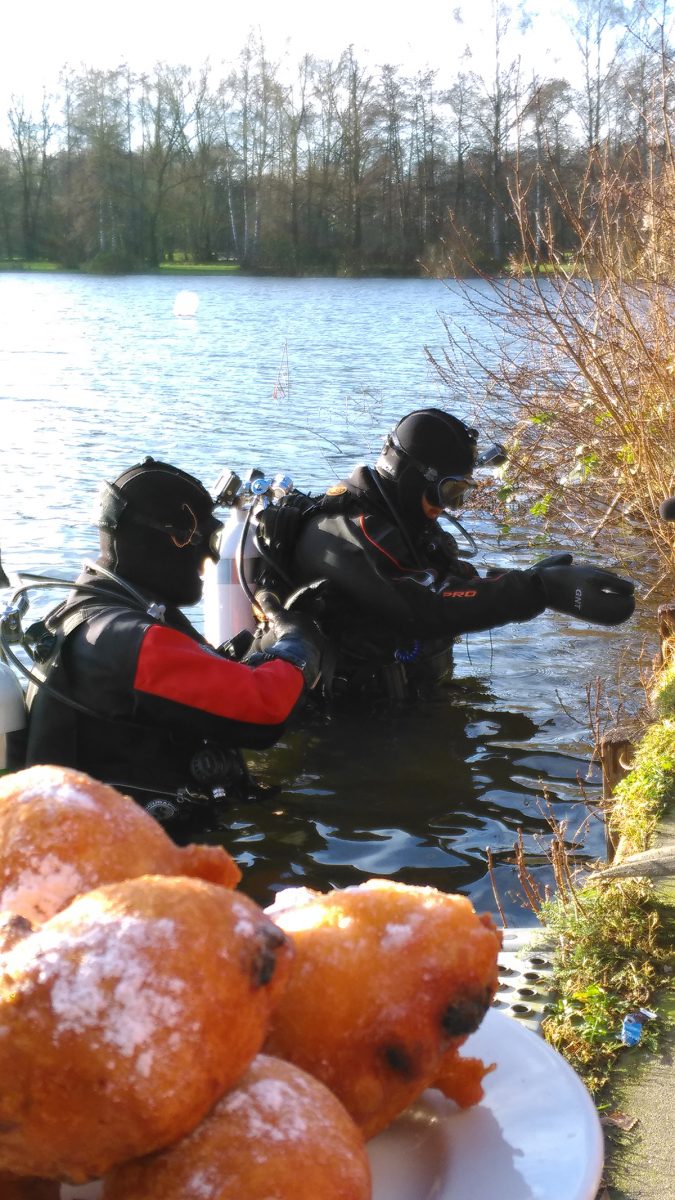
pixel 279 1133
pixel 63 833
pixel 387 982
pixel 125 1017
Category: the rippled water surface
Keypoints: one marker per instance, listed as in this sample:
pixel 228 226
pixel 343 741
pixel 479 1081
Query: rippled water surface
pixel 304 376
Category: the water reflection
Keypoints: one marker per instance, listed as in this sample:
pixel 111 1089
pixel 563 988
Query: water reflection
pixel 418 794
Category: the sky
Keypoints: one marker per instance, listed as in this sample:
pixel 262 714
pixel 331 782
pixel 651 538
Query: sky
pixel 42 36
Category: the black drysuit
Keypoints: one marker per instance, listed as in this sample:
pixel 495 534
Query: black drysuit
pixel 398 597
pixel 165 712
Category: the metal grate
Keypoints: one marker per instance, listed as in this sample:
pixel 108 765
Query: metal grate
pixel 525 977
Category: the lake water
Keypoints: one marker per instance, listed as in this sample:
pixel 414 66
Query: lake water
pixel 304 376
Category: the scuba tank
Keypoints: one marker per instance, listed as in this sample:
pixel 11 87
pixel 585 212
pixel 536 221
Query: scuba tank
pixel 229 584
pixel 12 709
pixel 12 700
pixel 227 608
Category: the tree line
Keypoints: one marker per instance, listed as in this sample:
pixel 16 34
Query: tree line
pixel 340 168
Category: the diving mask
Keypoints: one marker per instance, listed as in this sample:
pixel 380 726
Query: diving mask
pixel 449 492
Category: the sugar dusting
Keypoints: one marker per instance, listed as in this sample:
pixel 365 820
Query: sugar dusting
pixel 102 983
pixel 245 927
pixel 398 933
pixel 204 1185
pixel 55 789
pixel 272 1111
pixel 290 898
pixel 42 888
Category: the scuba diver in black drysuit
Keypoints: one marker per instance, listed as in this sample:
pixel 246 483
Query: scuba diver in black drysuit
pixel 133 694
pixel 398 592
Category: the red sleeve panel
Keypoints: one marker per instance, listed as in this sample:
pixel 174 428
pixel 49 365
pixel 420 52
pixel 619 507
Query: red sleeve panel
pixel 170 666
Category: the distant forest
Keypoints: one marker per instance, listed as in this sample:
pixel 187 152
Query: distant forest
pixel 343 168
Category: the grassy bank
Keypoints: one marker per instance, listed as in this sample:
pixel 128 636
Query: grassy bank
pixel 198 269
pixel 168 268
pixel 15 264
pixel 615 948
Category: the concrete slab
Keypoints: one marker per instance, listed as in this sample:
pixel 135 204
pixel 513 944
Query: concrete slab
pixel 640 1162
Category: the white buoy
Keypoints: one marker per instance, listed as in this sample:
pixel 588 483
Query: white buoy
pixel 186 304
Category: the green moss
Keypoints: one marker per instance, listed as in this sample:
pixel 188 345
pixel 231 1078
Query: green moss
pixel 644 794
pixel 663 697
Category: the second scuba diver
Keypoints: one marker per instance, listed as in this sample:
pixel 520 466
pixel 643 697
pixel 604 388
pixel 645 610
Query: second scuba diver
pixel 398 591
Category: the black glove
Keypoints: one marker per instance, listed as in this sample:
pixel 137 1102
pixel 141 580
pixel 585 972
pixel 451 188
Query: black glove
pixel 586 592
pixel 310 598
pixel 562 559
pixel 295 637
pixel 554 560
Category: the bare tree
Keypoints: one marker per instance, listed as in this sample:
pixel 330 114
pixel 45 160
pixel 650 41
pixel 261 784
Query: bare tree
pixel 595 26
pixel 31 140
pixel 579 367
pixel 167 111
pixel 356 119
pixel 497 116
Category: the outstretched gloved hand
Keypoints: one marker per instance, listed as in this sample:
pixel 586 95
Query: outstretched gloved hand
pixel 293 636
pixel 562 559
pixel 588 593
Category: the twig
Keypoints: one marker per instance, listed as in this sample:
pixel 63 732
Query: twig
pixel 526 879
pixel 601 524
pixel 493 881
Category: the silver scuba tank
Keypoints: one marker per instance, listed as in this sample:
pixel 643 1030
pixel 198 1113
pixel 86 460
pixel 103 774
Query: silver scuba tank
pixel 227 607
pixel 12 702
pixel 230 583
pixel 12 709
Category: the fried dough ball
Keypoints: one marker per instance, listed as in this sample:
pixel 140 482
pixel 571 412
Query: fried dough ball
pixel 279 1134
pixel 63 833
pixel 124 1019
pixel 14 1188
pixel 387 979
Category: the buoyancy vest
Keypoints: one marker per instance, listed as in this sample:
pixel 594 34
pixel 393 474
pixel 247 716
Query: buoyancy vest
pixel 317 536
pixel 281 525
pixel 399 591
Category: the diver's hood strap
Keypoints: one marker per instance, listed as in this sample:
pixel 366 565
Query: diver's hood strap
pixel 114 503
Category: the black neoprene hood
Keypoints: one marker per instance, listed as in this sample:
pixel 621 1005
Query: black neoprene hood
pixel 156 495
pixel 425 447
pixel 440 443
pixel 156 524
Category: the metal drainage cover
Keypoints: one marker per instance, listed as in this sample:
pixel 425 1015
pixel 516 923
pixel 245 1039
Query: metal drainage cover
pixel 525 966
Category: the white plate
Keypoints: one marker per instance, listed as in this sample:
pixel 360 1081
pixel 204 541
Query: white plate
pixel 535 1136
